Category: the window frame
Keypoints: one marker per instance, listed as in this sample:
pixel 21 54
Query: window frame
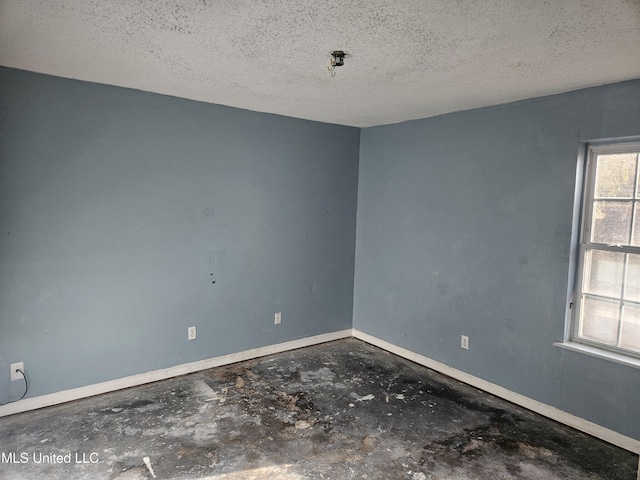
pixel 584 244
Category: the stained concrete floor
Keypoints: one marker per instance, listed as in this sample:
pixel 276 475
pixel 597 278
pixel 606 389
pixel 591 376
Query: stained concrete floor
pixel 341 410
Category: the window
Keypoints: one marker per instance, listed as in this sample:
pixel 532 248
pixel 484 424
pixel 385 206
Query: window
pixel 607 313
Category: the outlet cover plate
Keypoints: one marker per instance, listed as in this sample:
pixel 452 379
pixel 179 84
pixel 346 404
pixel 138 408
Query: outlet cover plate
pixel 191 333
pixel 14 367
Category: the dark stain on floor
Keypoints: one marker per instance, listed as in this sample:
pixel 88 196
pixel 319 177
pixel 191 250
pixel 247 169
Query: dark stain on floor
pixel 340 410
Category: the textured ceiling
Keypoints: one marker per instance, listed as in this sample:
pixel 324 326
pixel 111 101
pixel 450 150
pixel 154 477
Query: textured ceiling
pixel 411 58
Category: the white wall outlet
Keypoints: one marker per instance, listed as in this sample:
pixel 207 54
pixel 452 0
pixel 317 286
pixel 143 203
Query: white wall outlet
pixel 15 374
pixel 191 333
pixel 278 318
pixel 464 342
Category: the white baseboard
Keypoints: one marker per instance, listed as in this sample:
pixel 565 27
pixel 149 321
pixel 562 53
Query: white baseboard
pixel 162 374
pixel 548 411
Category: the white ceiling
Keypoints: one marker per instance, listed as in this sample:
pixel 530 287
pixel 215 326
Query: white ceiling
pixel 411 58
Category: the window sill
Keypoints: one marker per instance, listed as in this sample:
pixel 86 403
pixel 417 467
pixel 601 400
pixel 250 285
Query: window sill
pixel 600 353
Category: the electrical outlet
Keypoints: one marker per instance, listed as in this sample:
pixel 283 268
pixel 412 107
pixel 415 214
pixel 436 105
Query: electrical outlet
pixel 191 333
pixel 278 318
pixel 15 374
pixel 464 342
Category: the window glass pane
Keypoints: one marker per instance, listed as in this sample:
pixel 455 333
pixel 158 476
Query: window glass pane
pixel 631 327
pixel 603 273
pixel 600 320
pixel 635 238
pixel 632 282
pixel 611 222
pixel 615 175
pixel 637 154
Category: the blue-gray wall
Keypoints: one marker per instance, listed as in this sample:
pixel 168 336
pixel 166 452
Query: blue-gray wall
pixel 119 208
pixel 464 227
pixel 116 206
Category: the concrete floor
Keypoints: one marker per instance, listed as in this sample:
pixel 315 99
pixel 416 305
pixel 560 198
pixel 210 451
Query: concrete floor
pixel 342 410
